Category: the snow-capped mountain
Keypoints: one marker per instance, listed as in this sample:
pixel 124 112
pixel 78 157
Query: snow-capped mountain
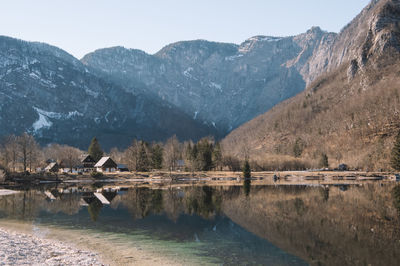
pixel 51 94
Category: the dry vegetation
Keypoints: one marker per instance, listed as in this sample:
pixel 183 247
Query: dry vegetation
pixel 353 122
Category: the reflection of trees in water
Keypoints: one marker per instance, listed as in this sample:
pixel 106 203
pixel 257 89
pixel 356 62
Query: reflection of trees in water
pixel 27 205
pixel 246 187
pixel 204 201
pixel 142 202
pixel 94 209
pixel 325 193
pixel 353 227
pixel 396 198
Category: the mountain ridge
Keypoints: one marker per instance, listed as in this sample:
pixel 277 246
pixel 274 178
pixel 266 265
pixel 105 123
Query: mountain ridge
pixel 213 81
pixel 349 112
pixel 49 93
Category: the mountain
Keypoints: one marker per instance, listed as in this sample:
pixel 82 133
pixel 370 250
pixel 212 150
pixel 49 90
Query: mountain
pixel 222 84
pixel 51 94
pixel 350 109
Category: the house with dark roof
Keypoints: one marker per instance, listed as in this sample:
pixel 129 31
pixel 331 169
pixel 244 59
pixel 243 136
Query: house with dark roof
pixel 106 164
pixel 52 167
pixel 87 163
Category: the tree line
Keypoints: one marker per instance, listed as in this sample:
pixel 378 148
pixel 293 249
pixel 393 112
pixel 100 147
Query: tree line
pixel 23 153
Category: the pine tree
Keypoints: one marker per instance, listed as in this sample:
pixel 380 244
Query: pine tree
pixel 157 156
pixel 395 160
pixel 143 160
pixel 246 169
pixel 217 156
pixel 95 150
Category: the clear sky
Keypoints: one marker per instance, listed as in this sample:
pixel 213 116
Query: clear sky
pixel 81 26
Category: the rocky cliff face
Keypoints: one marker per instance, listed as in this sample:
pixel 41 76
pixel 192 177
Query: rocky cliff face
pixel 350 109
pixel 222 84
pixel 371 33
pixel 49 93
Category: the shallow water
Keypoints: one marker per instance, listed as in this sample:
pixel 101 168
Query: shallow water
pixel 231 225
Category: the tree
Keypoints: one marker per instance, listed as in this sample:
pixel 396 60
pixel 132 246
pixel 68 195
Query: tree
pixel 171 153
pixel 324 161
pixel 204 154
pixel 95 150
pixel 137 156
pixel 246 169
pixel 70 156
pixel 298 147
pixel 10 152
pixel 132 155
pixel 156 156
pixel 191 156
pixel 217 157
pixel 28 150
pixel 395 160
pixel 143 164
pixel 232 163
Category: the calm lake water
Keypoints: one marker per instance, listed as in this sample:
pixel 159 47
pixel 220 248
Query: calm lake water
pixel 237 224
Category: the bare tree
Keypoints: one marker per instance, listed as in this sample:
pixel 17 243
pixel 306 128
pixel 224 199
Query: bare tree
pixel 29 151
pixel 70 156
pixel 138 156
pixel 10 152
pixel 172 153
pixel 131 155
pixel 116 154
pixel 53 152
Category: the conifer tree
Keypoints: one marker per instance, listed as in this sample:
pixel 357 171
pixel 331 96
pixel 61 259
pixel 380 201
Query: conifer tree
pixel 95 150
pixel 246 169
pixel 395 160
pixel 157 156
pixel 217 156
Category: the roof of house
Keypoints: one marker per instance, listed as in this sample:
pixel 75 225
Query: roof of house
pixel 102 161
pixel 51 166
pixel 86 158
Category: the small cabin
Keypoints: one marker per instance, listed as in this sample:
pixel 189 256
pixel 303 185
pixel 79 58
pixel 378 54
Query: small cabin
pixel 106 164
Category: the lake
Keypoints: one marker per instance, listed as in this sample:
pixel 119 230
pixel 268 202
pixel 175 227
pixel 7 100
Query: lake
pixel 230 224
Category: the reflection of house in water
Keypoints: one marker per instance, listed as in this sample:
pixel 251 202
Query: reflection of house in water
pixel 106 164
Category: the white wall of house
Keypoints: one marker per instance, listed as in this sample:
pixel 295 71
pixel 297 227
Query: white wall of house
pixel 106 170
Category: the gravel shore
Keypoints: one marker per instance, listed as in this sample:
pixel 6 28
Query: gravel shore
pixel 23 249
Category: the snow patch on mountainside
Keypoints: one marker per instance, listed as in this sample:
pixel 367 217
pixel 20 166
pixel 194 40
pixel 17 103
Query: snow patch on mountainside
pixel 42 122
pixel 233 57
pixel 187 73
pixel 44 116
pixel 216 85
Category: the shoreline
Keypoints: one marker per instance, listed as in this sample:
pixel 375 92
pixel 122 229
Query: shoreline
pixel 20 241
pixel 17 248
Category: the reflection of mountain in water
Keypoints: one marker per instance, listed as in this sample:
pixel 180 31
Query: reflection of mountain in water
pixel 352 226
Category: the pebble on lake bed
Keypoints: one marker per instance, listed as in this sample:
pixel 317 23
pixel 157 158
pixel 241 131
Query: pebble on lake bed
pixel 23 249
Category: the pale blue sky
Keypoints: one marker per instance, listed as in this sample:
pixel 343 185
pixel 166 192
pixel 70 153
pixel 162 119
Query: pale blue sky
pixel 81 26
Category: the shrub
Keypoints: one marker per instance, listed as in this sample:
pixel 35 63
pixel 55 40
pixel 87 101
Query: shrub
pixel 96 174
